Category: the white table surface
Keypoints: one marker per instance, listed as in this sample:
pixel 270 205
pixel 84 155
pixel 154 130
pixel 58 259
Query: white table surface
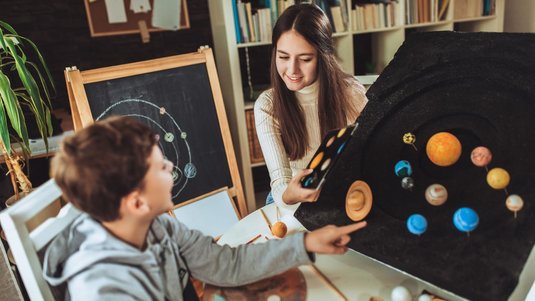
pixel 357 276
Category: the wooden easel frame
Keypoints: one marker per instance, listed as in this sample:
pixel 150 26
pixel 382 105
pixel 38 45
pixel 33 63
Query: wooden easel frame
pixel 82 116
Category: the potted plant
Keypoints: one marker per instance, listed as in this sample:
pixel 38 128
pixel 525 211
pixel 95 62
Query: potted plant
pixel 23 84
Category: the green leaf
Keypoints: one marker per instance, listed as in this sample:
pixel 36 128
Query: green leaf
pixel 11 105
pixel 45 67
pixel 4 131
pixel 30 84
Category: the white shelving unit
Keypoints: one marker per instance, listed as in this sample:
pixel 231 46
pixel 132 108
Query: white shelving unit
pixel 384 44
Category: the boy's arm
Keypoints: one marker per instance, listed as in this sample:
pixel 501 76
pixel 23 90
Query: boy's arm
pixel 226 266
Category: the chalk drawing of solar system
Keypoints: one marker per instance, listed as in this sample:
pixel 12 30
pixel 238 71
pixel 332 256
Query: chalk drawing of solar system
pixel 183 169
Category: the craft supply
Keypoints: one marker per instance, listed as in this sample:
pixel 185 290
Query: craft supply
pixel 410 138
pixel 514 203
pixel 328 282
pixel 417 224
pixel 265 218
pixel 481 157
pixel 407 183
pixel 403 168
pixel 465 219
pixel 250 241
pixel 443 149
pixel 400 293
pixel 498 178
pixel 359 200
pixel 326 156
pixel 279 229
pixel 436 194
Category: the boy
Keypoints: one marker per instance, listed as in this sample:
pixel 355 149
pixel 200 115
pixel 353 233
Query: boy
pixel 124 246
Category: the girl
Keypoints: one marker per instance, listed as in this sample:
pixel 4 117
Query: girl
pixel 310 95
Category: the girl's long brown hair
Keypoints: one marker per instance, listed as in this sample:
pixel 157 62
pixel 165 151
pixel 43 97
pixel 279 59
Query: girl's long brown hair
pixel 334 103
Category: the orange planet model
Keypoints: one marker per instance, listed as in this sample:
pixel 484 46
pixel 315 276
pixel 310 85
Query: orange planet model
pixel 279 229
pixel 443 149
pixel 359 201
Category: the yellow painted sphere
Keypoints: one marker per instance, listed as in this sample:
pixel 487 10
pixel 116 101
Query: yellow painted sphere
pixel 279 229
pixel 498 178
pixel 443 149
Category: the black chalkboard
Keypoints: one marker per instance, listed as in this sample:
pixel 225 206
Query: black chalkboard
pixel 178 103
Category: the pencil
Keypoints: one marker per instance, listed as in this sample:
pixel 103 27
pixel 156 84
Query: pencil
pixel 265 218
pixel 253 239
pixel 328 282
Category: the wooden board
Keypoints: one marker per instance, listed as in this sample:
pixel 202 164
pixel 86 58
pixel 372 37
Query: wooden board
pixel 180 98
pixel 99 24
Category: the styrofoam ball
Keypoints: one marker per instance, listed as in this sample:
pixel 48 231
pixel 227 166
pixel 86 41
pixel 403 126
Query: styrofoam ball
pixel 401 293
pixel 425 297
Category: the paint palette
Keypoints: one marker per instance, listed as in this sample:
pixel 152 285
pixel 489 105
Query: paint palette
pixel 325 158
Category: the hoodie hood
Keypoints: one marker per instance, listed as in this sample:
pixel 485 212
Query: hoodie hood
pixel 86 243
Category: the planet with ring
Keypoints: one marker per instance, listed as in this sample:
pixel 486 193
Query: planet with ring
pixel 359 200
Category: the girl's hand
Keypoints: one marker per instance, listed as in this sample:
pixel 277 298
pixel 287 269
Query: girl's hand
pixel 295 193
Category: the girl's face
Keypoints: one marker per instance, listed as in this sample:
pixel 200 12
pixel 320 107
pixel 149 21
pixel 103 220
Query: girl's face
pixel 296 61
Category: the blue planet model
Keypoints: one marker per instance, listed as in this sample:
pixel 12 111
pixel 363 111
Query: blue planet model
pixel 417 224
pixel 403 168
pixel 465 219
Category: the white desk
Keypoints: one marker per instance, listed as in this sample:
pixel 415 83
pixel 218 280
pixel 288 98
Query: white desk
pixel 357 276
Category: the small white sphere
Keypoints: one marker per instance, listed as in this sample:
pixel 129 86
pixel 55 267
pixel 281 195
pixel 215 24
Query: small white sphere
pixel 425 297
pixel 401 293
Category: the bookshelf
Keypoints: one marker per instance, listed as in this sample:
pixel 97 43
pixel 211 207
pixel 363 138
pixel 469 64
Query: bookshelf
pixel 359 51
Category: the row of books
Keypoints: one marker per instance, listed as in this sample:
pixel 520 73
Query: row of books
pixel 425 11
pixel 255 151
pixel 368 16
pixel 254 19
pixel 473 8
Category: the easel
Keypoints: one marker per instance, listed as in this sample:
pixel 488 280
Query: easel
pixel 83 116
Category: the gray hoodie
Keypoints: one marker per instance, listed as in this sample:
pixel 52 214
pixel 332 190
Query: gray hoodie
pixel 95 265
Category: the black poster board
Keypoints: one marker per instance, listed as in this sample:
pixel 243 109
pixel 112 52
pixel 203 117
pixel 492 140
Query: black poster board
pixel 479 87
pixel 179 98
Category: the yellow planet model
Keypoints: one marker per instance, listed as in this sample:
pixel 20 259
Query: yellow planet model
pixel 498 178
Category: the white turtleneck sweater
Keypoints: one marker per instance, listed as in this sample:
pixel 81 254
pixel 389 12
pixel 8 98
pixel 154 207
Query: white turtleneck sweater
pixel 281 169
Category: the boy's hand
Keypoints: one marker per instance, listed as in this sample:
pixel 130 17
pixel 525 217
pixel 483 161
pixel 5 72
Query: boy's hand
pixel 331 239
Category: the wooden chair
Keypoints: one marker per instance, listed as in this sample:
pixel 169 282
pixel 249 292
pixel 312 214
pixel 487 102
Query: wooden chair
pixel 26 243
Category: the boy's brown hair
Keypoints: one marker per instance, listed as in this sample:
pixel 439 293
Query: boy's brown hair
pixel 100 164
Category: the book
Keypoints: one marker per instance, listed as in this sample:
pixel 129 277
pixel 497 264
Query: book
pixel 255 151
pixel 236 21
pixel 326 156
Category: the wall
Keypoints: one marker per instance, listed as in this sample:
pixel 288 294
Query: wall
pixel 519 16
pixel 60 30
